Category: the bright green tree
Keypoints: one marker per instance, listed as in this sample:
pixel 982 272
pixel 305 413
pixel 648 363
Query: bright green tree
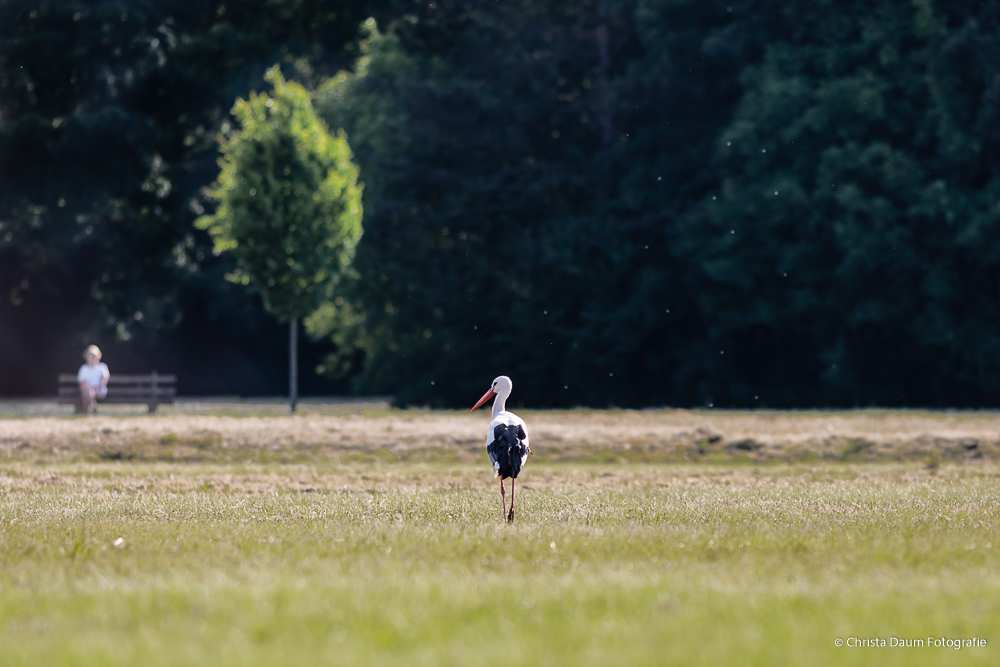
pixel 288 205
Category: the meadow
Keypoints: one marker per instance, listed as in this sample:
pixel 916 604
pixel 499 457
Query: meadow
pixel 373 537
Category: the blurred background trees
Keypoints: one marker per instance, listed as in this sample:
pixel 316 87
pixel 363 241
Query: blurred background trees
pixel 630 202
pixel 109 114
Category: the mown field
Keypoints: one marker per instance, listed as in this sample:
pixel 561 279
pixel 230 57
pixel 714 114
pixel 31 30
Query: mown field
pixel 373 537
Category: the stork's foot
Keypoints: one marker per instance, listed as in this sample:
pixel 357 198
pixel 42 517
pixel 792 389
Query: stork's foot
pixel 510 515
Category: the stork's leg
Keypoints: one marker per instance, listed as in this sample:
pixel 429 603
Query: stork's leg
pixel 510 516
pixel 503 499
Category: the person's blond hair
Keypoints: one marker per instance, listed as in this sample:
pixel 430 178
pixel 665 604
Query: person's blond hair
pixel 92 349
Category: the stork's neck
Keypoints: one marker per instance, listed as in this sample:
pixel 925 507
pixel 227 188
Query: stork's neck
pixel 500 402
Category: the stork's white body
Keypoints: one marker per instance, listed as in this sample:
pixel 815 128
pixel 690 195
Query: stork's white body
pixel 506 418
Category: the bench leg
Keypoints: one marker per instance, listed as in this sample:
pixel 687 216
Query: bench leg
pixel 151 407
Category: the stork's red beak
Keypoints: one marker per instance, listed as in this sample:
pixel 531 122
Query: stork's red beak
pixel 487 396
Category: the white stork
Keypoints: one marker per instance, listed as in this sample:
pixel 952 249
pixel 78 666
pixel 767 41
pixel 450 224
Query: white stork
pixel 506 440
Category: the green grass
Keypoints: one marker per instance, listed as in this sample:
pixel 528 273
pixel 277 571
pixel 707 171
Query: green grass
pixel 386 563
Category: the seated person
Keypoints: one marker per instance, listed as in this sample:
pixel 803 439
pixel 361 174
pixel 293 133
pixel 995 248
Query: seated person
pixel 93 379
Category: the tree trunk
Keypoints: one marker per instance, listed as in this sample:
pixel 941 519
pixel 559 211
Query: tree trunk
pixel 293 363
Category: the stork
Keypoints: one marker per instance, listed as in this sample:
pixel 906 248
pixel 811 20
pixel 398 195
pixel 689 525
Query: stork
pixel 506 440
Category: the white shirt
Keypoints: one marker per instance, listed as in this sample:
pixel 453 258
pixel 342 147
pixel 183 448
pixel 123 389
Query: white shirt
pixel 93 375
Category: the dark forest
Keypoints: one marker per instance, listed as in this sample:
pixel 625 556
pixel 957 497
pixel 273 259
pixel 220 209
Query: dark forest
pixel 630 203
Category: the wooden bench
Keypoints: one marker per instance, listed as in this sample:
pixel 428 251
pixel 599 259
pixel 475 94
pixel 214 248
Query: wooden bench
pixel 151 389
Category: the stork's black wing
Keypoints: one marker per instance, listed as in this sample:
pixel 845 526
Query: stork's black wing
pixel 507 449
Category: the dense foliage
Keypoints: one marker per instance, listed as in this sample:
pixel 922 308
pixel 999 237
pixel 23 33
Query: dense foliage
pixel 109 115
pixel 752 203
pixel 853 237
pixel 743 202
pixel 288 205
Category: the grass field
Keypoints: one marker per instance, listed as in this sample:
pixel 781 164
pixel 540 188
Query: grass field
pixel 373 537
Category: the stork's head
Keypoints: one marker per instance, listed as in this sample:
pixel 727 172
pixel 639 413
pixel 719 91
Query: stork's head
pixel 501 385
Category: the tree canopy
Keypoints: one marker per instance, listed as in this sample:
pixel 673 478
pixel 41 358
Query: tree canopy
pixel 288 201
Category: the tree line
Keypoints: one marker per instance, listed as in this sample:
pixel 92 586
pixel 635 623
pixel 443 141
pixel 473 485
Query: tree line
pixel 638 202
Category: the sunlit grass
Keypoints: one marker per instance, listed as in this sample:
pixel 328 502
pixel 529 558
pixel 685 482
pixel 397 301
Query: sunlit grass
pixel 408 563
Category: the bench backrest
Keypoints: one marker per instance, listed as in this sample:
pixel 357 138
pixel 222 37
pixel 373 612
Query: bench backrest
pixel 151 389
pixel 68 378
